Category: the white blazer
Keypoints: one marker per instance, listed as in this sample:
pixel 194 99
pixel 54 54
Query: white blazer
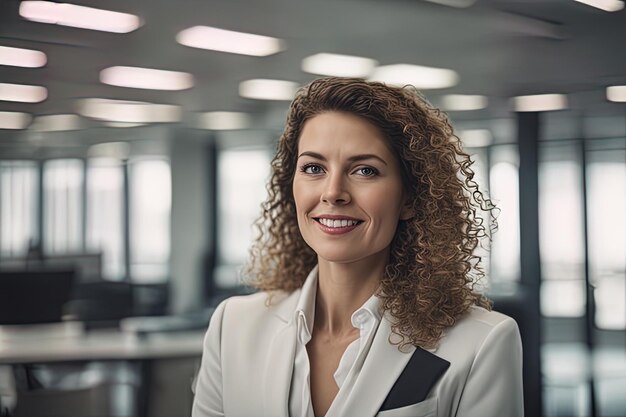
pixel 248 357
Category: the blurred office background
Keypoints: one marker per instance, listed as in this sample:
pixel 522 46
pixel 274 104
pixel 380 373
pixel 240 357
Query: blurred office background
pixel 134 191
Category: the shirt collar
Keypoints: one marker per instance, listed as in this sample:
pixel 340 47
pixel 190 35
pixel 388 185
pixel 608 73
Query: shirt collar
pixel 305 309
pixel 364 317
pixel 367 314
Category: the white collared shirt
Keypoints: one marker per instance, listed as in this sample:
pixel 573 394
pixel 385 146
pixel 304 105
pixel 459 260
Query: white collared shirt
pixel 366 319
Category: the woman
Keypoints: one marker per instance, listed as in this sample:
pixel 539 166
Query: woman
pixel 366 265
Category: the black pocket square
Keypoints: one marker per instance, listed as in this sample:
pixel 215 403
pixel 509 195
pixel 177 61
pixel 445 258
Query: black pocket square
pixel 416 380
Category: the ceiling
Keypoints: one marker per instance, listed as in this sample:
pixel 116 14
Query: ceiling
pixel 499 48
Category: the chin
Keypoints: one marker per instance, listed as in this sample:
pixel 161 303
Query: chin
pixel 342 257
pixel 347 257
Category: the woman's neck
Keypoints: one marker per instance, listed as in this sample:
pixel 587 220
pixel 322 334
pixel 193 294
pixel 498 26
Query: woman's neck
pixel 342 289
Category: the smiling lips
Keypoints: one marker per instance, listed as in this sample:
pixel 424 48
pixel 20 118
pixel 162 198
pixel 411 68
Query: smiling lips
pixel 337 226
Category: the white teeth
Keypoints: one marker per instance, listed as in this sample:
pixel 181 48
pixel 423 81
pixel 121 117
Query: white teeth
pixel 338 223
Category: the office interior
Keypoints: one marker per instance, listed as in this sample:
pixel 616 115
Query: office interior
pixel 127 198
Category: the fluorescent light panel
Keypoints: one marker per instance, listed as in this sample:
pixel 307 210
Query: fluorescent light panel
pixel 108 150
pixel 56 123
pixel 420 77
pixel 18 57
pixel 606 5
pixel 22 93
pixel 216 39
pixel 540 102
pixel 454 3
pixel 616 93
pixel 14 120
pixel 223 120
pixel 264 89
pixel 463 102
pixel 128 111
pixel 122 124
pixel 83 17
pixel 146 78
pixel 338 65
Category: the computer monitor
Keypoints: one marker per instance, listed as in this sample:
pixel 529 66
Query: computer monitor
pixel 88 265
pixel 34 296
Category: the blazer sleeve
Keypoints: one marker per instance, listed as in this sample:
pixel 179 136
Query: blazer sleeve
pixel 208 388
pixel 494 386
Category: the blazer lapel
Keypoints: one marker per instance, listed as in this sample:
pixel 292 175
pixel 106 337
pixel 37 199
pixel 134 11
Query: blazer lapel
pixel 390 378
pixel 383 365
pixel 279 364
pixel 416 380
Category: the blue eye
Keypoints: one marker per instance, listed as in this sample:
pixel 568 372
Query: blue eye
pixel 367 171
pixel 311 169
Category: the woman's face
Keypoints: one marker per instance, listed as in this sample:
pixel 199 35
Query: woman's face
pixel 347 189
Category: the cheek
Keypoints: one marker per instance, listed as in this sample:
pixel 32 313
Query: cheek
pixel 296 190
pixel 385 202
pixel 301 197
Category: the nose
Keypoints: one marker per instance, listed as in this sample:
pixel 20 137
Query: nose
pixel 335 191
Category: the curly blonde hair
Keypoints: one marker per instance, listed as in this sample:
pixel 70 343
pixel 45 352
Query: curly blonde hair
pixel 429 280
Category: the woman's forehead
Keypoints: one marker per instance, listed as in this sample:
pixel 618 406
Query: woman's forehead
pixel 340 130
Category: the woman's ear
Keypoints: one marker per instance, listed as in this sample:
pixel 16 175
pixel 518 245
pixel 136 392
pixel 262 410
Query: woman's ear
pixel 407 211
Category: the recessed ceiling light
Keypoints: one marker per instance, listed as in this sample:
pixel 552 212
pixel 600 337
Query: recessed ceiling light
pixel 454 3
pixel 476 138
pixel 83 17
pixel 420 77
pixel 23 93
pixel 14 120
pixel 19 57
pixel 108 150
pixel 338 65
pixel 463 102
pixel 128 111
pixel 122 124
pixel 216 39
pixel 223 120
pixel 540 102
pixel 616 93
pixel 151 79
pixel 606 5
pixel 56 123
pixel 264 89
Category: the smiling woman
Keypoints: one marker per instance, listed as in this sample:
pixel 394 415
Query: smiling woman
pixel 365 258
pixel 347 190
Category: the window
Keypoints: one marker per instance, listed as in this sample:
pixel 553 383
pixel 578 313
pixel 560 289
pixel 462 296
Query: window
pixel 63 206
pixel 242 175
pixel 504 191
pixel 150 209
pixel 105 208
pixel 561 234
pixel 18 207
pixel 606 205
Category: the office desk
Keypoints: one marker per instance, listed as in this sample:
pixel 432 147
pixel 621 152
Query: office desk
pixel 68 343
pixel 34 344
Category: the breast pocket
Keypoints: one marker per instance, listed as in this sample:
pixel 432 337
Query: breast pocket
pixel 426 408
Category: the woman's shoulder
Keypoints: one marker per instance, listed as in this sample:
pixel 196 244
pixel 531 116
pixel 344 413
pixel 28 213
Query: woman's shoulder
pixel 258 303
pixel 482 321
pixel 479 324
pixel 248 301
pixel 480 316
pixel 251 318
pixel 478 330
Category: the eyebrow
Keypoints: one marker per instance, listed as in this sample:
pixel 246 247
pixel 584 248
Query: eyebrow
pixel 354 158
